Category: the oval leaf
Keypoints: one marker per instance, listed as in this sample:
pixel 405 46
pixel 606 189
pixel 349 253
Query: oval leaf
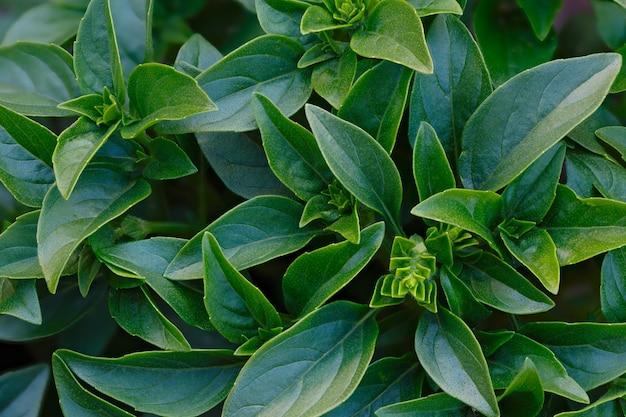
pixel 431 168
pixel 18 298
pixel 435 405
pixel 524 395
pixel 44 23
pixel 167 161
pixel 18 248
pixel 23 390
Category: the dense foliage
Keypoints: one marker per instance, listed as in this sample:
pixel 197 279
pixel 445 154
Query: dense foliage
pixel 313 207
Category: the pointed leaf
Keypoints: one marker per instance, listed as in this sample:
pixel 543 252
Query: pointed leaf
pixel 451 356
pixel 181 384
pixel 196 55
pixel 430 7
pixel 530 113
pixel 460 299
pixel 541 14
pixel 18 298
pixel 18 248
pixel 168 161
pixel 605 405
pixel 332 79
pixel 23 391
pixel 613 286
pixel 431 168
pixel 614 136
pixel 434 405
pixel 589 172
pixel 319 19
pixel 131 22
pixel 524 395
pixel 281 16
pixel 308 369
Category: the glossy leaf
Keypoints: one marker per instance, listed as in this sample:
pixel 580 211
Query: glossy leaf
pixel 308 369
pixel 613 286
pixel 319 19
pixel 167 161
pixel 249 234
pixel 430 7
pixel 196 55
pixel 582 228
pixel 393 31
pixel 434 405
pixel 332 79
pixel 177 384
pixel 541 14
pixel 236 307
pixel 267 65
pixel 35 78
pixel 592 353
pixel 18 298
pixel 524 395
pixel 431 169
pixel 23 390
pixel 614 136
pixel 451 356
pixel 460 299
pixel 64 224
pixel 497 284
pixel 588 174
pixel 18 248
pixel 603 406
pixel 360 163
pixel 316 276
pixel 524 118
pixel 131 22
pixel 44 23
pixel 280 16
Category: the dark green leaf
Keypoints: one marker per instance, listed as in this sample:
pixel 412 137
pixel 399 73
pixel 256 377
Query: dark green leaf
pixel 620 82
pixel 613 285
pixel 168 161
pixel 18 248
pixel 460 299
pixel 612 15
pixel 249 234
pixel 180 384
pixel 589 172
pixel 393 31
pixel 88 269
pixel 308 369
pixel 333 78
pixel 605 405
pixel 584 133
pixel 435 405
pixel 524 118
pixel 196 55
pixel 360 163
pixel 429 7
pixel 281 16
pixel 614 136
pixel 451 356
pixel 523 397
pixel 45 23
pixel 431 168
pixel 18 298
pixel 316 276
pixel 132 31
pixel 23 391
pixel 541 14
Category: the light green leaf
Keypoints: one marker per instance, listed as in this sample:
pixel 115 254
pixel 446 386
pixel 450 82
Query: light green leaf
pixel 35 78
pixel 430 7
pixel 86 105
pixel 267 65
pixel 332 79
pixel 524 118
pixel 319 19
pixel 249 234
pixel 524 396
pixel 541 14
pixel 360 163
pixel 18 298
pixel 615 136
pixel 23 391
pixel 393 31
pixel 281 16
pixel 376 102
pixel 196 55
pixel 613 285
pixel 583 228
pixel 495 283
pixel 592 353
pixel 45 23
pixel 308 369
pixel 176 384
pixel 167 161
pixel 127 305
pixel 236 307
pixel 18 248
pixel 158 92
pixel 451 356
pixel 316 276
pixel 64 224
pixel 431 169
pixel 434 405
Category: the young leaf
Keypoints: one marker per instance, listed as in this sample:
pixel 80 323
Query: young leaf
pixel 23 390
pixel 236 307
pixel 196 55
pixel 541 14
pixel 291 150
pixel 128 304
pixel 451 356
pixel 613 285
pixel 267 65
pixel 430 7
pixel 249 234
pixel 431 168
pixel 180 384
pixel 360 163
pixel 18 298
pixel 434 405
pixel 168 161
pixel 76 147
pixel 497 284
pixel 64 224
pixel 523 397
pixel 332 79
pixel 18 248
pixel 35 78
pixel 592 353
pixel 316 276
pixel 308 369
pixel 281 17
pixel 45 23
pixel 583 228
pixel 530 113
pixel 460 82
pixel 460 299
pixel 319 19
pixel 393 31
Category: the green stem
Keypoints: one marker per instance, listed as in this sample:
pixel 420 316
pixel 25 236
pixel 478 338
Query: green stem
pixel 325 35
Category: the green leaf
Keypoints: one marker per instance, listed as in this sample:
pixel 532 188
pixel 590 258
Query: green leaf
pixel 434 405
pixel 308 369
pixel 615 136
pixel 447 98
pixel 541 14
pixel 376 102
pixel 64 224
pixel 613 286
pixel 393 31
pixel 386 381
pixel 620 82
pixel 18 248
pixel 605 405
pixel 583 228
pixel 127 305
pixel 86 105
pixel 316 276
pixel 510 358
pixel 430 7
pixel 236 307
pixel 431 169
pixel 613 29
pixel 249 234
pixel 497 284
pixel 44 23
pixel 530 113
pixel 167 161
pixel 291 150
pixel 181 384
pixel 592 353
pixel 523 397
pixel 451 356
pixel 589 173
pixel 19 298
pixel 23 390
pixel 267 65
pixel 332 79
pixel 88 269
pixel 35 78
pixel 196 55
pixel 158 92
pixel 319 19
pixel 360 163
pixel 475 211
pixel 131 22
pixel 281 16
pixel 460 299
pixel 76 147
pixel 584 133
